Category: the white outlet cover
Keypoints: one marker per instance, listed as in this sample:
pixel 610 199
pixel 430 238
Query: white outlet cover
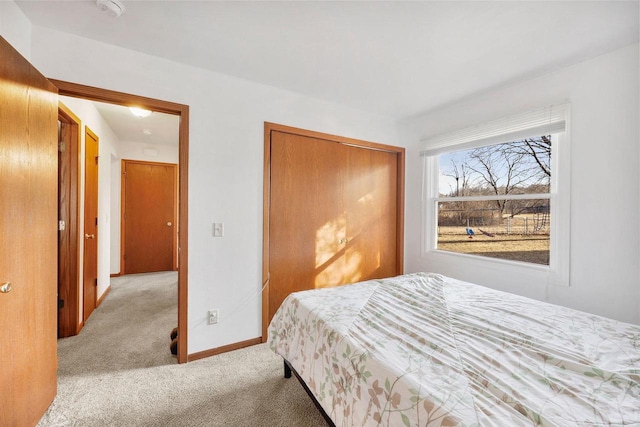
pixel 213 317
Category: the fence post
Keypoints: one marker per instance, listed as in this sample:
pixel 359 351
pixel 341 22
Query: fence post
pixel 508 225
pixel 526 225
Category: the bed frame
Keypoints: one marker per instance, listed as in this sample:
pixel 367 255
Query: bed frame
pixel 288 369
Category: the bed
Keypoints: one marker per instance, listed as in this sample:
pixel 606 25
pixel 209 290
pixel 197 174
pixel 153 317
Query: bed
pixel 424 349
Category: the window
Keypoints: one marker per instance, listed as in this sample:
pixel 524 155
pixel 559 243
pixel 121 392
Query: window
pixel 499 192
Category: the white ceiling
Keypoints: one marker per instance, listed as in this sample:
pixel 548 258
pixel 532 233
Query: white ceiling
pixel 393 58
pixel 162 128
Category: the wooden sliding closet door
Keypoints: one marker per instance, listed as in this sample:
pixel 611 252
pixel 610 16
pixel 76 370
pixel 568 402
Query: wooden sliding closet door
pixel 333 214
pixel 307 221
pixel 371 211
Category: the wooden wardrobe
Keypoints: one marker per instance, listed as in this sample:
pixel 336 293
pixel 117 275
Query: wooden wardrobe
pixel 333 213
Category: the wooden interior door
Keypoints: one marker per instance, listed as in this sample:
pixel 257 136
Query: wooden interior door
pixel 28 247
pixel 90 275
pixel 68 229
pixel 333 213
pixel 149 209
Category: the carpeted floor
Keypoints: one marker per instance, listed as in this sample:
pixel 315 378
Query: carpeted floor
pixel 119 372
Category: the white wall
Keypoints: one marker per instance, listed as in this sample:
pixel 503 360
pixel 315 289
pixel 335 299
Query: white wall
pixel 108 146
pixel 227 118
pixel 15 27
pixel 135 150
pixel 604 128
pixel 225 171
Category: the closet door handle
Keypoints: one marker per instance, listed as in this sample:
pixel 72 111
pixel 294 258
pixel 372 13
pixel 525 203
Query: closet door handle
pixel 6 288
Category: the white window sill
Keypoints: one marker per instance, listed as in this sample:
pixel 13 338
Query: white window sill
pixel 542 274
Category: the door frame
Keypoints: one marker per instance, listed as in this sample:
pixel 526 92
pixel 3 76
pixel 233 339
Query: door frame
pixel 69 248
pixel 271 127
pixel 120 98
pixel 176 229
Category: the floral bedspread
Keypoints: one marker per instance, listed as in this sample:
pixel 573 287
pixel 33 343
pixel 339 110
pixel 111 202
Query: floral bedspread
pixel 423 349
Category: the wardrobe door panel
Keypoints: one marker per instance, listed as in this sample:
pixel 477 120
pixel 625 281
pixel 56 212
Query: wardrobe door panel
pixel 370 200
pixel 307 218
pixel 332 213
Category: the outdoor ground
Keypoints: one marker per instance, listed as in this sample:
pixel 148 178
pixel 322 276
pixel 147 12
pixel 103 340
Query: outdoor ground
pixel 532 248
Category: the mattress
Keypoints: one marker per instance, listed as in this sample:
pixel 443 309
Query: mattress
pixel 424 349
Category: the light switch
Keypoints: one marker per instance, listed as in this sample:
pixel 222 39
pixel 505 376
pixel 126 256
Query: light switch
pixel 218 229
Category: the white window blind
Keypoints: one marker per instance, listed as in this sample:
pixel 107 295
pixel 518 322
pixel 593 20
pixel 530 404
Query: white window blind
pixel 542 121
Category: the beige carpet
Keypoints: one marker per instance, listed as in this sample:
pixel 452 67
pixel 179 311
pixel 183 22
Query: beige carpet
pixel 119 372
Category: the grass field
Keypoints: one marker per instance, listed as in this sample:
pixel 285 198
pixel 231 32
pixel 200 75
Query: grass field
pixel 532 248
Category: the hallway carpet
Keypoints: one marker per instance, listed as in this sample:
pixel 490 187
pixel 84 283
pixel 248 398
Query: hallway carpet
pixel 119 372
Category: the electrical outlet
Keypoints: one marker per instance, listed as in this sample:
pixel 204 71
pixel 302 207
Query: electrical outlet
pixel 213 316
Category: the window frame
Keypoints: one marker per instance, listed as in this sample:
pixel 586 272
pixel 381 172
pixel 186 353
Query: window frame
pixel 557 272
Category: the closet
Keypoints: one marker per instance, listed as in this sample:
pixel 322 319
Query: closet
pixel 333 212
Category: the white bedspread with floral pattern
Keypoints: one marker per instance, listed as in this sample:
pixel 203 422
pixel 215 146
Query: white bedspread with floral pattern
pixel 423 349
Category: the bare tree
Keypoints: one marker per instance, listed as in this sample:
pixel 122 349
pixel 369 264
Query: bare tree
pixel 460 172
pixel 538 148
pixel 501 170
pixel 518 167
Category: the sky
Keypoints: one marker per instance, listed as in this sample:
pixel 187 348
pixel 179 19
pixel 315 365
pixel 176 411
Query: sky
pixel 447 183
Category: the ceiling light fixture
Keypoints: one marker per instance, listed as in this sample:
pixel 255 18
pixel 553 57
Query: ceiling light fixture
pixel 139 112
pixel 112 7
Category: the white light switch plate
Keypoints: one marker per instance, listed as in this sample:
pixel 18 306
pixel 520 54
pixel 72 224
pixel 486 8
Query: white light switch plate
pixel 218 229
